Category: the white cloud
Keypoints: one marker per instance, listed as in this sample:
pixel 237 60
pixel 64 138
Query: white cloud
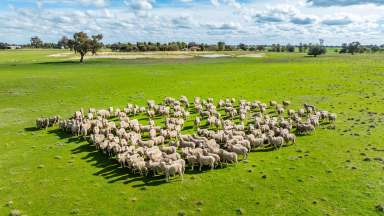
pixel 335 21
pixel 140 5
pixel 229 21
pixel 328 3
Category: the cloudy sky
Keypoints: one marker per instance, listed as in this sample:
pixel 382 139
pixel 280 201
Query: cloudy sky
pixel 231 21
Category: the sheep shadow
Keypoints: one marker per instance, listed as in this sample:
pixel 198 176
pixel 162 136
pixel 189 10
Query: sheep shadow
pixel 31 129
pixel 111 170
pixel 64 135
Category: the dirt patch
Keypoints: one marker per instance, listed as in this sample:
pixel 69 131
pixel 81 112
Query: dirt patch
pixel 60 55
pixel 214 55
pixel 256 55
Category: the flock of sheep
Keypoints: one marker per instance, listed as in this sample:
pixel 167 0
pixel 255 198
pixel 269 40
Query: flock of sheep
pixel 161 148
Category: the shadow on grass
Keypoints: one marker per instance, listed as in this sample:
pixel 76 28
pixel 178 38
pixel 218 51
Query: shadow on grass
pixel 31 129
pixel 111 170
pixel 58 62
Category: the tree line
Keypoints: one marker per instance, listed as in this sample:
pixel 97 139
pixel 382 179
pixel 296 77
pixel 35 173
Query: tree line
pixel 82 43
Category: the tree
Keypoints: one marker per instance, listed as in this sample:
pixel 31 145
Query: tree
pixel 220 46
pixel 71 45
pixel 3 45
pixel 260 47
pixel 63 42
pixel 344 48
pixel 82 44
pixel 354 47
pixel 301 48
pixel 375 48
pixel 290 48
pixel 316 50
pixel 95 43
pixel 36 42
pixel 243 47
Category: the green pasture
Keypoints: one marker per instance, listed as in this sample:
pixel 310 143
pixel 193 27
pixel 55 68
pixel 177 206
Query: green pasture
pixel 331 172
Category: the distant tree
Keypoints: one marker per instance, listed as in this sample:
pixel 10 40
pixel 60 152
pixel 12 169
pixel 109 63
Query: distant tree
pixel 192 44
pixel 3 45
pixel 290 48
pixel 229 48
pixel 95 43
pixel 36 42
pixel 375 48
pixel 260 47
pixel 344 48
pixel 220 46
pixel 301 48
pixel 243 47
pixel 82 44
pixel 71 45
pixel 316 50
pixel 63 42
pixel 354 47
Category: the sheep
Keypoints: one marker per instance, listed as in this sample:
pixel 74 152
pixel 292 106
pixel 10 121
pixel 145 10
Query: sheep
pixel 207 147
pixel 154 167
pixel 172 169
pixel 227 156
pixel 290 138
pixel 305 128
pixel 276 141
pixel 152 133
pixel 158 140
pixel 140 166
pixel 245 143
pixel 215 156
pixel 168 150
pixel 286 103
pixel 174 156
pixel 255 141
pixel 206 160
pixel 239 149
pixel 184 144
pixel 280 110
pixel 272 103
pixel 147 143
pixel 332 117
pixel 192 161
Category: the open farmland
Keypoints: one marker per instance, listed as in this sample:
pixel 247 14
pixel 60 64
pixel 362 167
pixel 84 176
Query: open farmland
pixel 335 172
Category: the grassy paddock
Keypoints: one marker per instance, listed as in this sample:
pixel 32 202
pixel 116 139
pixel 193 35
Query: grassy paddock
pixel 47 173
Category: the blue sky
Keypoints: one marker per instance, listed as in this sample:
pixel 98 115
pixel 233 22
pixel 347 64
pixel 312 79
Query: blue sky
pixel 231 21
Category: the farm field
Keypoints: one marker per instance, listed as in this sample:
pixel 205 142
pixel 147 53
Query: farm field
pixel 331 172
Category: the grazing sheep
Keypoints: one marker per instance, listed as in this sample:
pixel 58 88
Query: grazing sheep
pixel 123 141
pixel 192 161
pixel 184 144
pixel 147 143
pixel 305 128
pixel 276 141
pixel 332 117
pixel 158 140
pixel 239 149
pixel 206 160
pixel 168 150
pixel 226 156
pixel 286 103
pixel 171 170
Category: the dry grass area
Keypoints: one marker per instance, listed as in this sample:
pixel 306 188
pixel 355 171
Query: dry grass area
pixel 158 55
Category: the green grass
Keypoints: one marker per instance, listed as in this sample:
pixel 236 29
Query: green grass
pixel 47 173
